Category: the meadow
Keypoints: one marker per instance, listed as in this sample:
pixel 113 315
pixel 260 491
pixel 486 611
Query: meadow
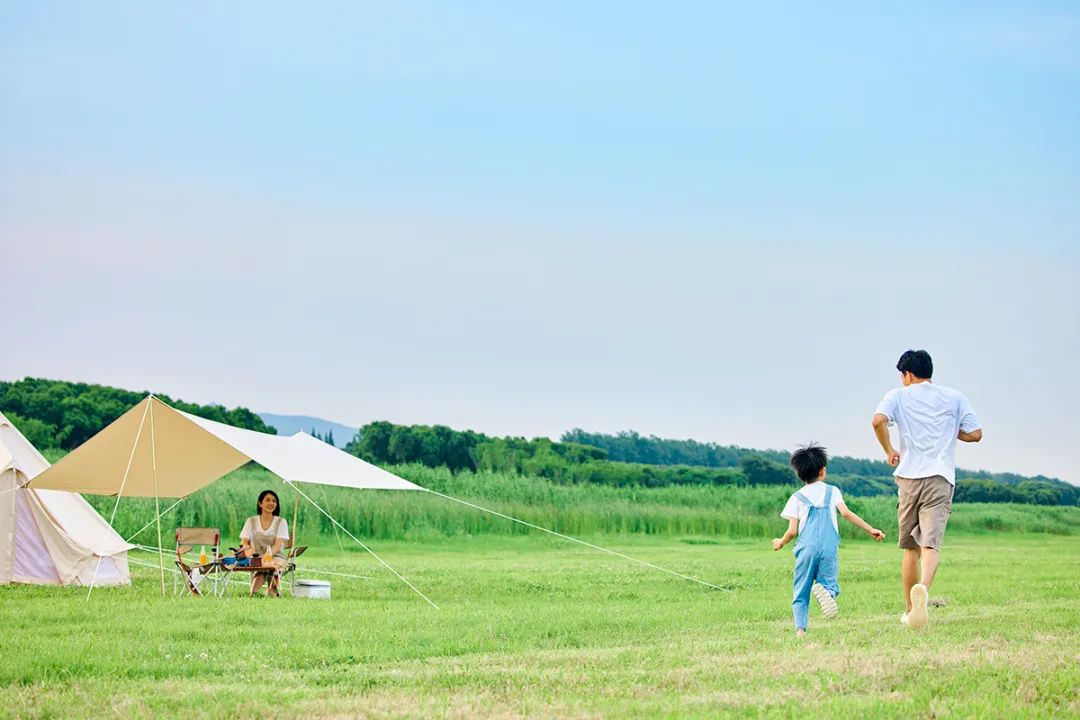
pixel 531 625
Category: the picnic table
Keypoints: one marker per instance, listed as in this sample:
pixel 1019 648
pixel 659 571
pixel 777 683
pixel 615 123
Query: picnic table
pixel 221 570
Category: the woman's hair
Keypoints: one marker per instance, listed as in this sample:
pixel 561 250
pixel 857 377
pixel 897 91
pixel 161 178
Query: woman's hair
pixel 264 493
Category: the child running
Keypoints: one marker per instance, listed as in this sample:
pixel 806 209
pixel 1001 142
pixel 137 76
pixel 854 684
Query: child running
pixel 811 514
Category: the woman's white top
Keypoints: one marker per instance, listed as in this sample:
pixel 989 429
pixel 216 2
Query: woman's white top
pixel 261 538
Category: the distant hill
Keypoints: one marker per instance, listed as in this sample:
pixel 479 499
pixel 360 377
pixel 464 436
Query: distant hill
pixel 291 424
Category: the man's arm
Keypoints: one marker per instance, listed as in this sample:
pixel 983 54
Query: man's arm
pixel 973 436
pixel 881 429
pixel 858 522
pixel 792 531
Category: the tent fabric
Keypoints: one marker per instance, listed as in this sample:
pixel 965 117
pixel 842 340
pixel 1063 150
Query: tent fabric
pixel 156 450
pixel 302 458
pixel 32 562
pixel 148 436
pixel 48 536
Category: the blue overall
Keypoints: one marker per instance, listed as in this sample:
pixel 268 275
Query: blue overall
pixel 815 556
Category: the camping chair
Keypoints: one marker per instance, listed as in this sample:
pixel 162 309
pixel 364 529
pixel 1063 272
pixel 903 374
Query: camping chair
pixel 186 540
pixel 290 568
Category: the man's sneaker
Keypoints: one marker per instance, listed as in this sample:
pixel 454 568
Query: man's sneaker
pixel 825 599
pixel 917 617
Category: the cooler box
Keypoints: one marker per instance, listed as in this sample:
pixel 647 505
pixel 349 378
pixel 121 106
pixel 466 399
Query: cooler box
pixel 314 589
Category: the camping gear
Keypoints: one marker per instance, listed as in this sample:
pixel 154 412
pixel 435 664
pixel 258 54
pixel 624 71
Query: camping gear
pixel 186 539
pixel 50 537
pixel 290 567
pixel 154 450
pixel 312 589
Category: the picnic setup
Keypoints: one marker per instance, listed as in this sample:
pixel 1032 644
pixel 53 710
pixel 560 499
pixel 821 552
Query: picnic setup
pixel 156 451
pixel 210 572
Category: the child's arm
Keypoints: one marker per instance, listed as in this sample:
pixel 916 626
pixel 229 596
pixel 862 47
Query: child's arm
pixel 857 521
pixel 792 531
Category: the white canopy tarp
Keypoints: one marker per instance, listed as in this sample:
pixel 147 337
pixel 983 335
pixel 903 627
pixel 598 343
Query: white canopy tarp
pixel 50 536
pixel 156 450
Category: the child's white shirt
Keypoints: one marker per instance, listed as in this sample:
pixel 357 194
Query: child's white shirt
pixel 815 493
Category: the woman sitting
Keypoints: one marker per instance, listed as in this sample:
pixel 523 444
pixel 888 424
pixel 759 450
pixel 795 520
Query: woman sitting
pixel 265 534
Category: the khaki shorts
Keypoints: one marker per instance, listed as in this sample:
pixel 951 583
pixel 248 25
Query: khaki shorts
pixel 923 511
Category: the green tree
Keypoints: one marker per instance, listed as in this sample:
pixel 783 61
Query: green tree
pixel 41 435
pixel 761 471
pixel 80 410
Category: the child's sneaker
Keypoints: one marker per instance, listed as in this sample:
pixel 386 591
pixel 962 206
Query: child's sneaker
pixel 825 599
pixel 917 617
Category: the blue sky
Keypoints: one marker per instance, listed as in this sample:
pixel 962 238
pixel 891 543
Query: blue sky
pixel 696 221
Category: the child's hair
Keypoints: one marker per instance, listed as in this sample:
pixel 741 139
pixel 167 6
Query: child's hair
pixel 808 461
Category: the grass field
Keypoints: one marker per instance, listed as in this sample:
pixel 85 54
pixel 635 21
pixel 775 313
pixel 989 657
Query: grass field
pixel 535 626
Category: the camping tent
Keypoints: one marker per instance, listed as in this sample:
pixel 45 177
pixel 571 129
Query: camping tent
pixel 154 450
pixel 50 537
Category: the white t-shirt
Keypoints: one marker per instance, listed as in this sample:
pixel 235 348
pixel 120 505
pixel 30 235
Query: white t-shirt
pixel 815 493
pixel 253 522
pixel 928 417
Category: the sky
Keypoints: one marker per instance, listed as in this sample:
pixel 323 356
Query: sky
pixel 695 221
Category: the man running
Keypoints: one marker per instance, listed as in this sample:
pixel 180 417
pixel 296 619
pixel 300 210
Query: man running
pixel 930 419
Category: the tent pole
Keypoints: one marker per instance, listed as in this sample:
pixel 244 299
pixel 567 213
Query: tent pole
pixel 295 509
pixel 157 500
pixel 119 494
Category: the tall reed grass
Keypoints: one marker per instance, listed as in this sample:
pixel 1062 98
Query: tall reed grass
pixel 727 511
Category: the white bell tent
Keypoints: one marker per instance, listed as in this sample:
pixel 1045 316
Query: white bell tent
pixel 50 537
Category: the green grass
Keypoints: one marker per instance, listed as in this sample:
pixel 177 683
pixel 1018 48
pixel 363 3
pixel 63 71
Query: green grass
pixel 536 626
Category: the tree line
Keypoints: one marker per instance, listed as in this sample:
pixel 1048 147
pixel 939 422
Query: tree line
pixel 60 414
pixel 385 443
pixel 618 461
pixel 865 477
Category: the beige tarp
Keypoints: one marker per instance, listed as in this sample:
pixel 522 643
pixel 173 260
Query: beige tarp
pixel 155 450
pixel 50 536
